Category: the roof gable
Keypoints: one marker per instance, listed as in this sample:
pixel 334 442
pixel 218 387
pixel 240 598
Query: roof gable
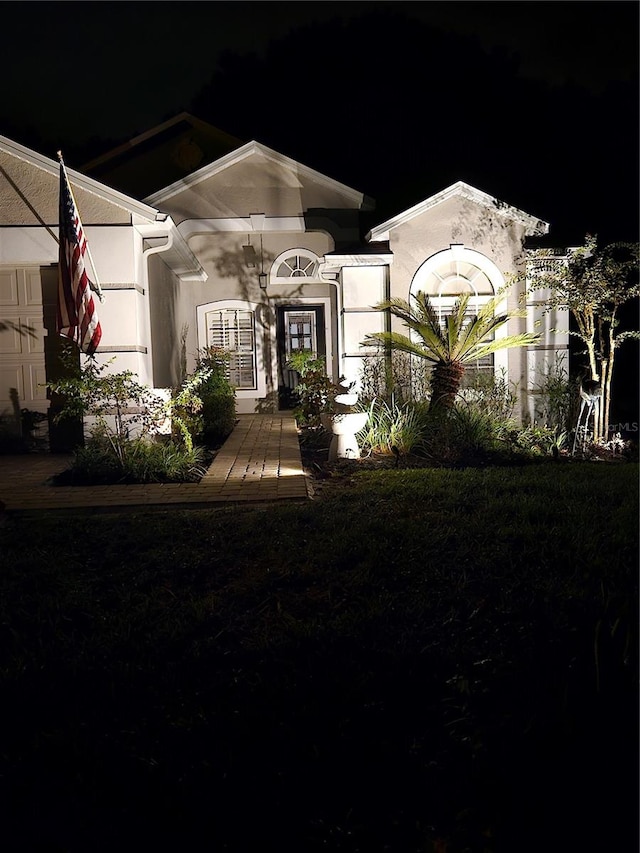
pixel 532 224
pixel 147 220
pixel 299 173
pixel 52 167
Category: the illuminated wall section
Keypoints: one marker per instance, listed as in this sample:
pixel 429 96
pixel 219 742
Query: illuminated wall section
pixel 362 288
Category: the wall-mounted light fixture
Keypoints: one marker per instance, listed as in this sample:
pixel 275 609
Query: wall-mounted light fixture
pixel 263 279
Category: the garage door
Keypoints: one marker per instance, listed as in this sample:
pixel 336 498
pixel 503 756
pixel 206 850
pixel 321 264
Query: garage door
pixel 22 358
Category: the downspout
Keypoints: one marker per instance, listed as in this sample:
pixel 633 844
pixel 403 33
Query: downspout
pixel 154 250
pixel 335 281
pixel 146 253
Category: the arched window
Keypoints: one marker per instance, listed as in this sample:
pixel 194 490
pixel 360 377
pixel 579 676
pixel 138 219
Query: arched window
pixel 453 272
pixel 295 263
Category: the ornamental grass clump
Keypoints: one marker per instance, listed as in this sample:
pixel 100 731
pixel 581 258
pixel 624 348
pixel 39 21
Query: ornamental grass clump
pixel 163 462
pixel 394 428
pixel 468 436
pixel 137 460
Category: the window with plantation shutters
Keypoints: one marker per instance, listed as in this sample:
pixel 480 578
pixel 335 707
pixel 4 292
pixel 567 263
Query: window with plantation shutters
pixel 232 329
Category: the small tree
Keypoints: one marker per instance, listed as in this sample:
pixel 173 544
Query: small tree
pixel 315 392
pixel 449 344
pixel 592 284
pixel 117 401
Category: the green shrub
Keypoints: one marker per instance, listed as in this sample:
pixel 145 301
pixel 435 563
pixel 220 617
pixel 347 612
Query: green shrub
pixel 219 417
pixel 118 402
pixel 465 435
pixel 473 431
pixel 218 396
pixel 557 400
pixel 394 428
pixel 540 440
pixel 94 464
pixel 315 392
pixel 185 407
pixel 480 426
pixel 204 407
pixel 160 461
pixel 120 406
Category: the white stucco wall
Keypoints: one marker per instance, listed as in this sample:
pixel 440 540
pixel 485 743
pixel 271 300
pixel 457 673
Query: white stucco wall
pixel 29 202
pixel 29 188
pixel 454 221
pixel 362 288
pixel 476 227
pixel 123 314
pixel 228 278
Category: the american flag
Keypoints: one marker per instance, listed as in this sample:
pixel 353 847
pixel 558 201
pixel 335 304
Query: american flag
pixel 77 318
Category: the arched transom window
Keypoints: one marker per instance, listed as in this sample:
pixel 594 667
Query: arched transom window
pixel 454 279
pixel 295 263
pixel 455 271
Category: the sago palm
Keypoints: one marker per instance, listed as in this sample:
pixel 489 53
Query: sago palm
pixel 451 343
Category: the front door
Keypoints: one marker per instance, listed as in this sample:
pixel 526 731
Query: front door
pixel 300 328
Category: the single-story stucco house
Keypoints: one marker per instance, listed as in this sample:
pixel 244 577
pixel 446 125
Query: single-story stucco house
pixel 219 242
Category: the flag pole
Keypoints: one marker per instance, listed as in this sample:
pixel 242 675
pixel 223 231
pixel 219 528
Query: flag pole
pixel 96 283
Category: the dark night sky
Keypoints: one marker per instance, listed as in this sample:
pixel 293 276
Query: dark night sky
pixel 535 102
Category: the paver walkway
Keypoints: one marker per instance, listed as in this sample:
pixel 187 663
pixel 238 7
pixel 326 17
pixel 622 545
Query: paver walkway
pixel 260 461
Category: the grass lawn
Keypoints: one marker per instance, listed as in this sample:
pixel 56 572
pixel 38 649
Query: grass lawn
pixel 430 661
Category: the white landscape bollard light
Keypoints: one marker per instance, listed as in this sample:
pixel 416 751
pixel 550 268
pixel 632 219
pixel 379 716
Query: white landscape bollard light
pixel 344 424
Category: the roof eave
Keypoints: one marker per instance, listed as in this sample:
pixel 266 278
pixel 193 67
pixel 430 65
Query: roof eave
pixel 459 189
pixel 177 255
